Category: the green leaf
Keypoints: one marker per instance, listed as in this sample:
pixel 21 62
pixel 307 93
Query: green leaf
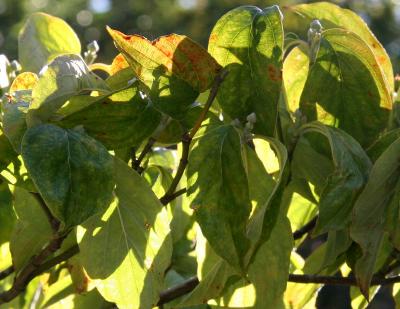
pixel 127 249
pixel 121 120
pixel 266 279
pixel 44 37
pixel 7 215
pixel 332 16
pixel 14 121
pixel 217 187
pixel 351 168
pixel 265 192
pixel 381 144
pixel 248 42
pixel 370 210
pixel 72 171
pixel 346 87
pixel 32 230
pixel 295 72
pixel 173 68
pixel 64 77
pixel 7 152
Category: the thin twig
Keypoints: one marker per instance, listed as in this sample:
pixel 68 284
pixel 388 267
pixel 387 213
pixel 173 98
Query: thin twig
pixel 67 254
pixel 187 138
pixel 28 272
pixel 189 285
pixel 173 196
pixel 53 221
pixel 178 290
pixel 213 93
pixel 305 229
pixel 147 148
pixel 6 272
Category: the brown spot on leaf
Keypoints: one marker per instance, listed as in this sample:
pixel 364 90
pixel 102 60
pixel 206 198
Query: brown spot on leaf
pixel 274 73
pixel 381 59
pixel 213 37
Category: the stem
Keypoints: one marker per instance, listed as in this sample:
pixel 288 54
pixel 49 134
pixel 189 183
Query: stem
pixel 213 93
pixel 67 254
pixel 54 222
pixel 100 67
pixel 187 139
pixel 6 272
pixel 178 290
pixel 147 148
pixel 305 229
pixel 173 196
pixel 190 284
pixel 29 272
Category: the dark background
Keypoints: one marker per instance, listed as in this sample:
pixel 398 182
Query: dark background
pixel 153 18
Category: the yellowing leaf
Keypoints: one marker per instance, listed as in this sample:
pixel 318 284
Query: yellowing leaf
pixel 176 54
pixel 346 88
pixel 24 81
pixel 119 63
pixel 333 16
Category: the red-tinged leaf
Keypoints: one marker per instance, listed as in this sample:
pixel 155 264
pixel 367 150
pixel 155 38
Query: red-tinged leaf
pixel 119 63
pixel 176 54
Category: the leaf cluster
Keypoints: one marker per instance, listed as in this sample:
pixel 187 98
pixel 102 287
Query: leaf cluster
pixel 191 178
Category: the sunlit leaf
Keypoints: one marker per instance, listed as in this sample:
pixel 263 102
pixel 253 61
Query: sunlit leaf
pixel 248 42
pixel 346 87
pixel 24 81
pixel 64 77
pixel 332 16
pixel 173 68
pixel 126 249
pixel 44 37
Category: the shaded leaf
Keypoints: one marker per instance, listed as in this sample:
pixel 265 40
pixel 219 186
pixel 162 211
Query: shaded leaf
pixel 128 246
pixel 122 120
pixel 350 173
pixel 67 167
pixel 346 87
pixel 44 37
pixel 7 152
pixel 370 210
pixel 14 121
pixel 248 42
pixel 7 215
pixel 217 187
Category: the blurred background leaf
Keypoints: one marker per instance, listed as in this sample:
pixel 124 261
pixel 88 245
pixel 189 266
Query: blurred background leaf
pixel 153 18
